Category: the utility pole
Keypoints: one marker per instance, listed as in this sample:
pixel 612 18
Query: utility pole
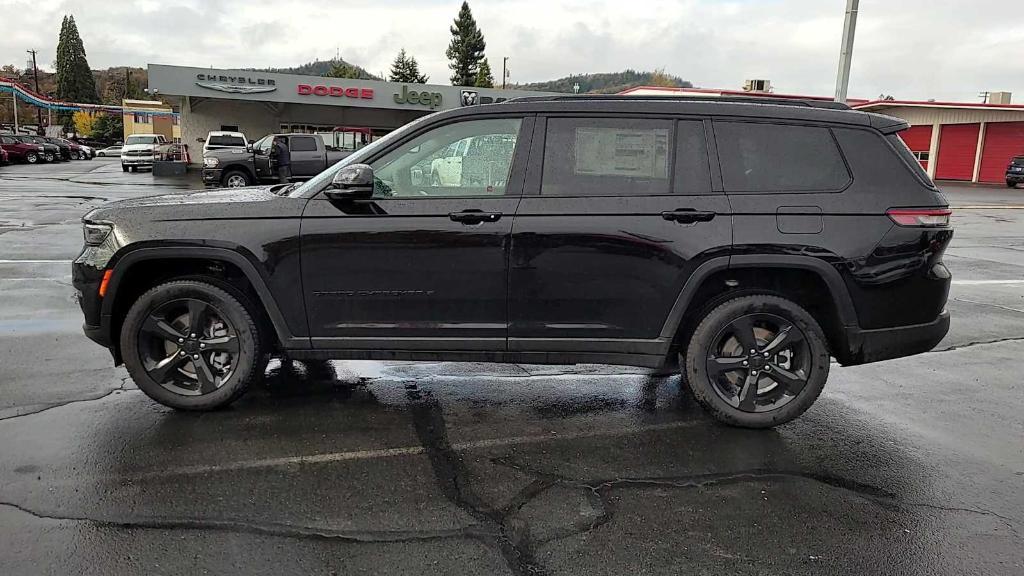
pixel 846 52
pixel 39 111
pixel 504 71
pixel 14 94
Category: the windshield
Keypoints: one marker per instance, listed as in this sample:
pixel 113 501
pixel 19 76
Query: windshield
pixel 140 140
pixel 318 183
pixel 226 140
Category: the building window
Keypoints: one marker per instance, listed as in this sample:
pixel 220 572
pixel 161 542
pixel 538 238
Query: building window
pixel 175 120
pixel 140 118
pixel 922 156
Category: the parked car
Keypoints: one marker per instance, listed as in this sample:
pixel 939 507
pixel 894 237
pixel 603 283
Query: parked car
pixel 234 168
pixel 220 140
pixel 137 151
pixel 1015 171
pixel 748 240
pixel 109 151
pixel 66 152
pixel 50 153
pixel 22 151
pixel 80 151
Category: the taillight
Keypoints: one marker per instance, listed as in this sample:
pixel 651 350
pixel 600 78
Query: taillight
pixel 920 216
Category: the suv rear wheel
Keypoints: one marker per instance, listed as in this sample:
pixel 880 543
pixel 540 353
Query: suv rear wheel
pixel 191 345
pixel 757 361
pixel 31 157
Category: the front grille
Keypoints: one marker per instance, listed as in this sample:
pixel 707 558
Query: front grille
pixel 138 153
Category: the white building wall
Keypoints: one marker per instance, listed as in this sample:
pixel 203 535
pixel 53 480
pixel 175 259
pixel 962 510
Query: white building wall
pixel 917 115
pixel 198 118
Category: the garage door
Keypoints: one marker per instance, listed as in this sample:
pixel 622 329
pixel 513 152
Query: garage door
pixel 958 145
pixel 919 140
pixel 1003 140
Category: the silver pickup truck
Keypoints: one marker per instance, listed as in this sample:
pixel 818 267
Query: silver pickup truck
pixel 237 167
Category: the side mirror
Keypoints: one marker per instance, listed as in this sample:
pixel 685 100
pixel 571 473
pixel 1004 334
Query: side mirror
pixel 353 182
pixel 248 147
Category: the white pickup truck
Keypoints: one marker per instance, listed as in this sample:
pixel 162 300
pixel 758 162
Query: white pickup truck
pixel 137 151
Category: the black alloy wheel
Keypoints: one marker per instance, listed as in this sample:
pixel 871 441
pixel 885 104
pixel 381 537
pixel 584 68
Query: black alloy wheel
pixel 191 344
pixel 188 347
pixel 759 362
pixel 756 361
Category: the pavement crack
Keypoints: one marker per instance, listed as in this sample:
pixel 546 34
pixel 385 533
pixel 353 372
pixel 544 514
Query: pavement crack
pixel 977 343
pixel 279 529
pixel 989 304
pixel 453 479
pixel 47 407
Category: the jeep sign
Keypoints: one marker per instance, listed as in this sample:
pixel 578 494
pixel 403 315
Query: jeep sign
pixel 431 99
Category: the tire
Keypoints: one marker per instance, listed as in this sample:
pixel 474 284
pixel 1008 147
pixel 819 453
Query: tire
pixel 171 384
pixel 717 342
pixel 235 179
pixel 82 155
pixel 48 156
pixel 124 168
pixel 32 158
pixel 1011 184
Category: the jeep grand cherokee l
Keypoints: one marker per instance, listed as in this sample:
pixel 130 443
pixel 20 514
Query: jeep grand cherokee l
pixel 746 240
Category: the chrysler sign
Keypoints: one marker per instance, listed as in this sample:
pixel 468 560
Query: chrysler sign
pixel 235 84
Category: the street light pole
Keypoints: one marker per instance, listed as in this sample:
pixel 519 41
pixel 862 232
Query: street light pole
pixel 846 52
pixel 35 73
pixel 504 71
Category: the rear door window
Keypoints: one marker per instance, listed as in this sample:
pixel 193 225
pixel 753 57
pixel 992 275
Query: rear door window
pixel 758 157
pixel 303 144
pixel 607 157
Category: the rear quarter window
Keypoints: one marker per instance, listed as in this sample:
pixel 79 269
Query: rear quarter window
pixel 765 158
pixel 303 144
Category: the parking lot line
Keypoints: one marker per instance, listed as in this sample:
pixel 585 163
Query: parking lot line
pixel 984 282
pixel 35 261
pixel 413 450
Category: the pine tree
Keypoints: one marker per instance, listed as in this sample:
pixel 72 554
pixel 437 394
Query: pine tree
pixel 484 79
pixel 466 49
pixel 405 69
pixel 75 82
pixel 342 69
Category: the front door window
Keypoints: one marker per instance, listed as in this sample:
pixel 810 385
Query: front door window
pixel 470 158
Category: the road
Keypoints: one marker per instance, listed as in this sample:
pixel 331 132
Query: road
pixel 913 466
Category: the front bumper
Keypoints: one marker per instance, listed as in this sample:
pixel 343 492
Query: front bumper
pixel 211 176
pixel 137 160
pixel 888 343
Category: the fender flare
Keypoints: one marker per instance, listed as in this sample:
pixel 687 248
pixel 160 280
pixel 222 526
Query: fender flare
pixel 241 167
pixel 125 262
pixel 828 273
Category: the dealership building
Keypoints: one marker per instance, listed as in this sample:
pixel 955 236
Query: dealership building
pixel 261 103
pixel 965 141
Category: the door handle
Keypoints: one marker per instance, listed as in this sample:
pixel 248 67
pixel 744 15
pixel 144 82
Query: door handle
pixel 474 216
pixel 688 216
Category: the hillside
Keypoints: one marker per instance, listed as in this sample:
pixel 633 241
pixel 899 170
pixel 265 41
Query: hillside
pixel 318 68
pixel 607 83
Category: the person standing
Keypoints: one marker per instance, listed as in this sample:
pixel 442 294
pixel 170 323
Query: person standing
pixel 283 159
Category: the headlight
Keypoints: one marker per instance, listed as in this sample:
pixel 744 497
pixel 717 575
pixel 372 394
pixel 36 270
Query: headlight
pixel 211 162
pixel 95 234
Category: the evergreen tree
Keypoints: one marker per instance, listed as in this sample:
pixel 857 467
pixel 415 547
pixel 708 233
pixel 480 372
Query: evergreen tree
pixel 342 69
pixel 405 69
pixel 466 49
pixel 484 79
pixel 75 82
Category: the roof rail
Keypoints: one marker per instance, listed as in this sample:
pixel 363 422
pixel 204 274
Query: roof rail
pixel 808 103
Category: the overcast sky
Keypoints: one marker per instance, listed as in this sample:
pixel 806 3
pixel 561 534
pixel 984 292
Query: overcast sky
pixel 912 49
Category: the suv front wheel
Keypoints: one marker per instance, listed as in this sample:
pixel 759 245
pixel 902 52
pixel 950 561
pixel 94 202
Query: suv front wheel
pixel 191 345
pixel 757 361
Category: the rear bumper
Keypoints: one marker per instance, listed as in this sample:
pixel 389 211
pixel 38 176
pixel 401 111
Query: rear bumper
pixel 888 343
pixel 1016 177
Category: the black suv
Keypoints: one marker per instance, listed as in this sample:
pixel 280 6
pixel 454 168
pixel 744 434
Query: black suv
pixel 1015 171
pixel 748 240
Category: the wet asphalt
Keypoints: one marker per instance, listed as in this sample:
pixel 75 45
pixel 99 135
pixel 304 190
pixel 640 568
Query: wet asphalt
pixel 913 466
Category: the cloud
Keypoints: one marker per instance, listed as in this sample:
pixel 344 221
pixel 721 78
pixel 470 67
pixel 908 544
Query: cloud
pixel 944 49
